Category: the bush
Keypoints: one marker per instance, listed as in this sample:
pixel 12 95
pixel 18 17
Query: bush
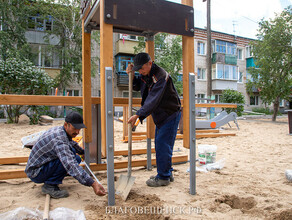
pixel 266 111
pixel 20 76
pixel 235 97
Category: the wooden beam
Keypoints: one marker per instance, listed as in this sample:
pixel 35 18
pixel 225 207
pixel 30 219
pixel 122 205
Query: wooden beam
pixel 188 67
pixel 135 138
pixel 19 173
pixel 13 160
pixel 150 129
pixel 106 60
pixel 77 101
pixel 86 82
pixel 134 152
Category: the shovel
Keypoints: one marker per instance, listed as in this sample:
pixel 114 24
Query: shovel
pixel 125 182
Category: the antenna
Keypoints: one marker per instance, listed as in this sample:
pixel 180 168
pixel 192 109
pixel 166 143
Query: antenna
pixel 234 23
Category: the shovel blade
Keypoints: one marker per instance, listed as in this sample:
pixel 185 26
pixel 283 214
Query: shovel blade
pixel 124 186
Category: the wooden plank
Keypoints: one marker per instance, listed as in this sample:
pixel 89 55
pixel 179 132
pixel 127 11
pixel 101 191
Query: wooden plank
pixel 137 163
pixel 208 131
pixel 135 138
pixel 106 60
pixel 199 136
pixel 216 105
pixel 134 152
pixel 13 160
pixel 86 82
pixel 40 100
pixel 19 173
pixel 77 101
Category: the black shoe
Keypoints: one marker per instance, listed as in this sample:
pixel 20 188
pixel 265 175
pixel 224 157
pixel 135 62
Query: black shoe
pixel 171 178
pixel 156 182
pixel 54 191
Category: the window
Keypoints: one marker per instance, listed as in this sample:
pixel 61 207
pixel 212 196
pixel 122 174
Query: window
pixel 218 98
pixel 201 73
pixel 219 71
pixel 225 47
pixel 128 37
pixel 122 63
pixel 45 56
pixel 248 52
pixel 201 96
pixel 201 48
pixel 281 103
pixel 254 100
pixel 40 23
pixel 240 77
pixel 239 54
pixel 226 72
pixel 72 92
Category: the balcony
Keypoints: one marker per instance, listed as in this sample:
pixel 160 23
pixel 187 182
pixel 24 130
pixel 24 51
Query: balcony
pixel 250 62
pixel 122 79
pixel 222 84
pixel 126 46
pixel 224 58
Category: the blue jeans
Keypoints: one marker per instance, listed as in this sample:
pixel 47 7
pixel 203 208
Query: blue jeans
pixel 52 172
pixel 164 141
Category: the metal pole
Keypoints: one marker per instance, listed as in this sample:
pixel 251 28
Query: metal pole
pixel 149 165
pixel 192 110
pixel 109 135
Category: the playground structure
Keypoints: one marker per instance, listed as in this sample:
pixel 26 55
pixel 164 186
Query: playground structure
pixel 123 16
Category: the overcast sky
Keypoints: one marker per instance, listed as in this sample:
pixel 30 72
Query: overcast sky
pixel 239 17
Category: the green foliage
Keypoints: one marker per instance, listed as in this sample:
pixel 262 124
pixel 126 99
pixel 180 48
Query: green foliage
pixel 13 18
pixel 168 55
pixel 232 96
pixel 273 58
pixel 22 77
pixel 266 111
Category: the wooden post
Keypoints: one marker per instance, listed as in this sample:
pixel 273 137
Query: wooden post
pixel 86 82
pixel 188 67
pixel 150 122
pixel 106 60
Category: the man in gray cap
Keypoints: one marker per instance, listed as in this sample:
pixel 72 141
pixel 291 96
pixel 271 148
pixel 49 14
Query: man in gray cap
pixel 55 155
pixel 160 99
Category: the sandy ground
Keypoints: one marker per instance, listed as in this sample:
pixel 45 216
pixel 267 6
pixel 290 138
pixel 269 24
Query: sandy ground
pixel 252 184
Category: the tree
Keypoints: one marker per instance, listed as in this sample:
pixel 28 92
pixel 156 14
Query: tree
pixel 168 55
pixel 13 21
pixel 272 75
pixel 19 76
pixel 68 29
pixel 232 96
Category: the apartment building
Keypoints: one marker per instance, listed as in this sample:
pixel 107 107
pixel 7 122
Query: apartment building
pixel 231 59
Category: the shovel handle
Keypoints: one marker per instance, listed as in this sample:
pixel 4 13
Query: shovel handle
pixel 130 125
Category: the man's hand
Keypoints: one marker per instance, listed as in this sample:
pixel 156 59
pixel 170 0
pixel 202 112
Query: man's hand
pixel 133 120
pixel 98 189
pixel 130 69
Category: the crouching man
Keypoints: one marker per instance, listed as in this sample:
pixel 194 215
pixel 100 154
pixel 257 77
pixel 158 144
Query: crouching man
pixel 55 155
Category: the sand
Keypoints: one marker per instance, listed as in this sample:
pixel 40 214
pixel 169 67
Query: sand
pixel 251 185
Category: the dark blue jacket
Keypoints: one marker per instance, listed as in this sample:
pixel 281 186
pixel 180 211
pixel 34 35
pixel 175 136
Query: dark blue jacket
pixel 159 96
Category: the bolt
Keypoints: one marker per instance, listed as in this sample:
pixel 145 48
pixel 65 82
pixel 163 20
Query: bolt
pixel 191 11
pixel 192 30
pixel 109 112
pixel 109 77
pixel 108 16
pixel 110 146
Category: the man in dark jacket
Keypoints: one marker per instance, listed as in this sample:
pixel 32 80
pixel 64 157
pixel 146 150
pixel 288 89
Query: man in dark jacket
pixel 160 99
pixel 54 156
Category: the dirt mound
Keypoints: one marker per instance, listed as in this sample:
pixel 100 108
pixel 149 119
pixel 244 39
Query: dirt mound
pixel 236 202
pixel 283 215
pixel 137 206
